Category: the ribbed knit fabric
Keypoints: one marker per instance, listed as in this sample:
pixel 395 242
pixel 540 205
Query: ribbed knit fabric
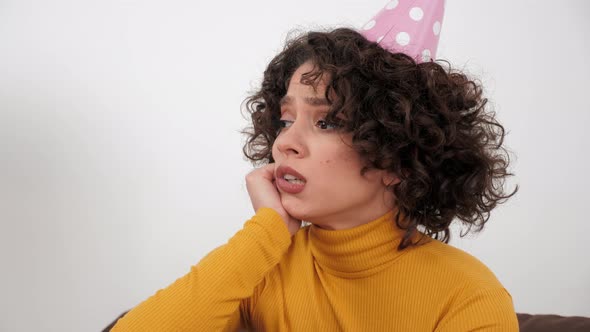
pixel 320 280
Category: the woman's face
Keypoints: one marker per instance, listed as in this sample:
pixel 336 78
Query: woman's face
pixel 333 195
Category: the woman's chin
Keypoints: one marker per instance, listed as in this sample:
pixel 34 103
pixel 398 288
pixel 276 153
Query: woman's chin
pixel 297 214
pixel 295 209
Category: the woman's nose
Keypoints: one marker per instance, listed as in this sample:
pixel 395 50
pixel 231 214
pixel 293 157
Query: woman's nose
pixel 291 140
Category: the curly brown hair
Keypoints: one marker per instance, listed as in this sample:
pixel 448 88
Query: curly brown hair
pixel 427 125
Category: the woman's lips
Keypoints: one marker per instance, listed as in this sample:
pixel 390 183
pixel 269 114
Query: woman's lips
pixel 286 186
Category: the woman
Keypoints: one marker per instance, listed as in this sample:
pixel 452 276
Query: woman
pixel 378 154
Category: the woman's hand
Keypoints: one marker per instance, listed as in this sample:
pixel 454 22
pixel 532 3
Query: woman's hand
pixel 263 193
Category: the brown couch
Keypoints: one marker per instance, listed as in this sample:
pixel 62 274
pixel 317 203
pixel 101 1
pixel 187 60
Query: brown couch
pixel 553 323
pixel 527 323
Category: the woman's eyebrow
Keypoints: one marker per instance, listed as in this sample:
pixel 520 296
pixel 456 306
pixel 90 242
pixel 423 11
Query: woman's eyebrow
pixel 313 101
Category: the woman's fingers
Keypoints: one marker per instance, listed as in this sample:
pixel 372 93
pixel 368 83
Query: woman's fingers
pixel 263 193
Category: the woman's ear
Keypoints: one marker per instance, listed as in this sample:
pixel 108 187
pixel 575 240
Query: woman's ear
pixel 389 179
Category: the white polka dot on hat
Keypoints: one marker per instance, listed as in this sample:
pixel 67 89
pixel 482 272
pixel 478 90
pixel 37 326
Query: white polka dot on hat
pixel 408 26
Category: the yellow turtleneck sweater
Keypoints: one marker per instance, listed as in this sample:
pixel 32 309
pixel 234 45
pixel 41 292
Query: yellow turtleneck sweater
pixel 320 280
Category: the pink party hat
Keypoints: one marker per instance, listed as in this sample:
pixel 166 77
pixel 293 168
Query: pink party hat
pixel 408 26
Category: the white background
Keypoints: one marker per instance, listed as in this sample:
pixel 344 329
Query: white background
pixel 120 152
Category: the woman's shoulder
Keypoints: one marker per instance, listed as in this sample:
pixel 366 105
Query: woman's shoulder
pixel 454 263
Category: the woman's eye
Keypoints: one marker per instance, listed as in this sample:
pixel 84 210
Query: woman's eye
pixel 284 124
pixel 323 124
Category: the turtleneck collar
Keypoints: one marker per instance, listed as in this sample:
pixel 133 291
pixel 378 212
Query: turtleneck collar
pixel 359 251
